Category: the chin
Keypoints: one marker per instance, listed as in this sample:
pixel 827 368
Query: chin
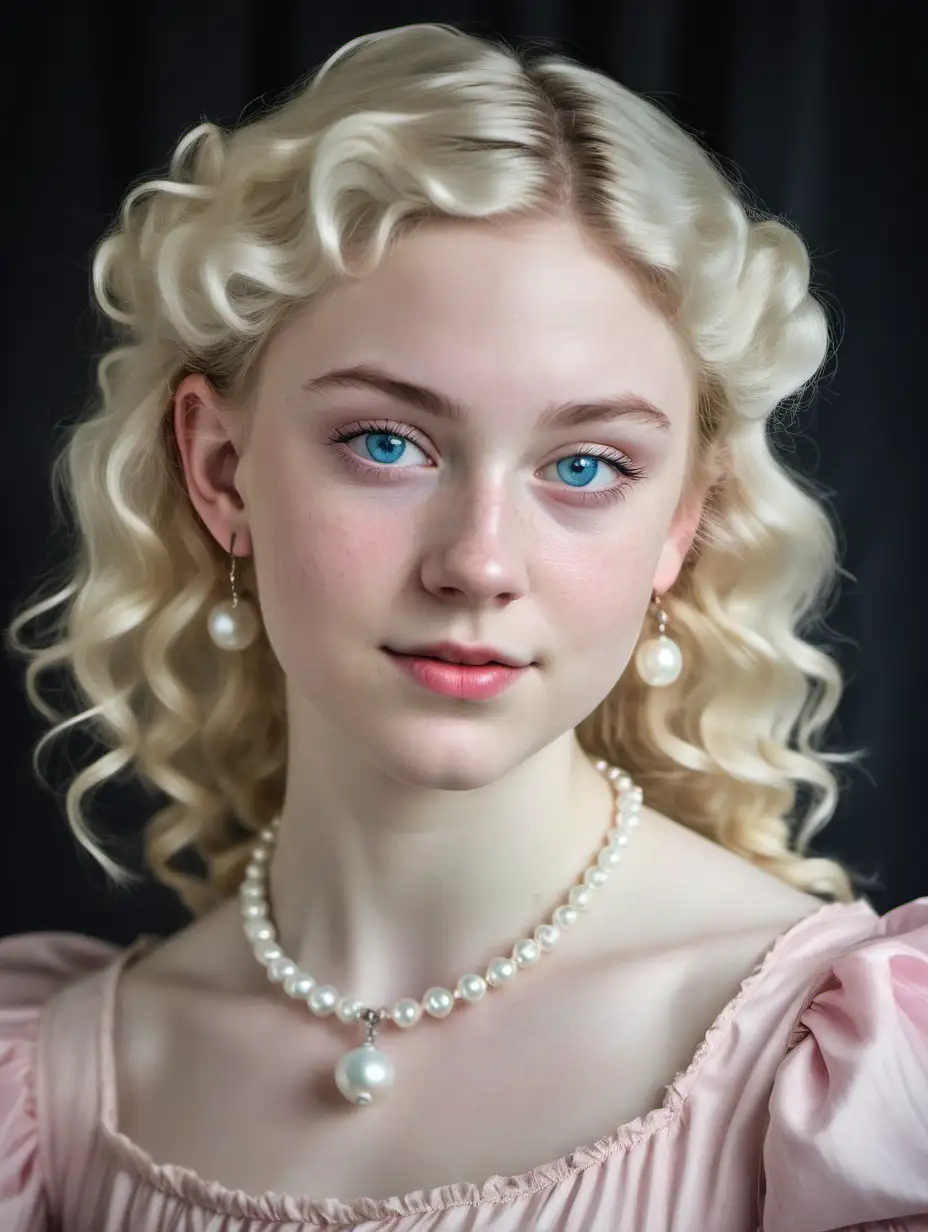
pixel 446 764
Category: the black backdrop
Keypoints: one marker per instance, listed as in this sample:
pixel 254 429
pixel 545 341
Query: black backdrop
pixel 816 103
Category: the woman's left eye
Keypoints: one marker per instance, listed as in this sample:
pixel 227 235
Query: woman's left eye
pixel 389 442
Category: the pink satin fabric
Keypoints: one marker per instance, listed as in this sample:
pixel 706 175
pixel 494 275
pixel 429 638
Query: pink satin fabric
pixel 805 1108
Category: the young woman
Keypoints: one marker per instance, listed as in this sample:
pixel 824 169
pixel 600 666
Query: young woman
pixel 436 567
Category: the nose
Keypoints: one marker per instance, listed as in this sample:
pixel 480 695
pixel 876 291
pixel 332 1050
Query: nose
pixel 476 548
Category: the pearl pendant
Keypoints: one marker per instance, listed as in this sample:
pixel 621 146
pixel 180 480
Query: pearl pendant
pixel 233 626
pixel 363 1074
pixel 659 661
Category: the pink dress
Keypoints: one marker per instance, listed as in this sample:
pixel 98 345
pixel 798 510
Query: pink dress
pixel 805 1108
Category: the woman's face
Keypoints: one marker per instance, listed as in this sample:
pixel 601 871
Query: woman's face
pixel 485 527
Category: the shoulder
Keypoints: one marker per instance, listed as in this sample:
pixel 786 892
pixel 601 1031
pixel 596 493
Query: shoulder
pixel 847 1138
pixel 696 892
pixel 847 1129
pixel 34 968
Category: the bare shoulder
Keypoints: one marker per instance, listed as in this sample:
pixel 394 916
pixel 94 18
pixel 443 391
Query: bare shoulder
pixel 187 978
pixel 196 956
pixel 711 891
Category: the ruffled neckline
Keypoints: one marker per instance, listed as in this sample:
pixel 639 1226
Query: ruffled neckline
pixel 270 1206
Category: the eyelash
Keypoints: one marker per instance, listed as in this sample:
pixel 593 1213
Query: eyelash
pixel 616 460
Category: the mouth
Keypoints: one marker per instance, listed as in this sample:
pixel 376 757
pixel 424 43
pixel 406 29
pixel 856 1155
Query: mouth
pixel 433 658
pixel 462 655
pixel 472 682
pixel 450 662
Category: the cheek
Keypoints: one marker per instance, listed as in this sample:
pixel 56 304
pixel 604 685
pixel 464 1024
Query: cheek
pixel 321 558
pixel 594 610
pixel 331 567
pixel 596 597
pixel 324 583
pixel 590 607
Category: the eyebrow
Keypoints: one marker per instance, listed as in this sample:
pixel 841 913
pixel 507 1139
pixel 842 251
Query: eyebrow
pixel 569 414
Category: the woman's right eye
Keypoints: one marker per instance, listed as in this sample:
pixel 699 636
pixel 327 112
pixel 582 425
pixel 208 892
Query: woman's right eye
pixel 391 443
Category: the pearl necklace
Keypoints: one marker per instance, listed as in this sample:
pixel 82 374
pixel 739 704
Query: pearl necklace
pixel 367 1072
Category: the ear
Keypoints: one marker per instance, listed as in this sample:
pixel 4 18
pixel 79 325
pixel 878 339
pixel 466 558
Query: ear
pixel 209 441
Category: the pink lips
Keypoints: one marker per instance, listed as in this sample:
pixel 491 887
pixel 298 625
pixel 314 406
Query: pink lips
pixel 457 679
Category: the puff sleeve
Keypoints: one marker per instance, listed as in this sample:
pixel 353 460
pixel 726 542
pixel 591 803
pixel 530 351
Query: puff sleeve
pixel 847 1135
pixel 33 968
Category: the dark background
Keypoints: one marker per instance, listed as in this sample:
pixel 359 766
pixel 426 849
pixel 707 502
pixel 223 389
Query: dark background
pixel 817 105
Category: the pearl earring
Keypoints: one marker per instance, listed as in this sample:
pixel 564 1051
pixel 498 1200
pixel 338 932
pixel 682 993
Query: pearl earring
pixel 232 623
pixel 659 660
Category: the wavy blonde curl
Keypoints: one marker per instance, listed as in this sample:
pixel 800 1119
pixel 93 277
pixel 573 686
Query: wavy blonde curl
pixel 199 269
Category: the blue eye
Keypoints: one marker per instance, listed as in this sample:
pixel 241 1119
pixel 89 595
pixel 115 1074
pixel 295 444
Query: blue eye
pixel 387 442
pixel 582 466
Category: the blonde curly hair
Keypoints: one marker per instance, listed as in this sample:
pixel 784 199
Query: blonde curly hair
pixel 199 270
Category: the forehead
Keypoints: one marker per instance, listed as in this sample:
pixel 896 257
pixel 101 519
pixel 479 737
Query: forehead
pixel 527 311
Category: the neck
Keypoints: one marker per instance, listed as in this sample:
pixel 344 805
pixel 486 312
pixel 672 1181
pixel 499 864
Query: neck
pixel 384 888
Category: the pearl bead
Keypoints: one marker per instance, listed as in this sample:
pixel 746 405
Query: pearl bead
pixel 438 1002
pixel 299 985
pixel 348 1009
pixel 659 661
pixel 472 987
pixel 279 969
pixel 232 627
pixel 565 916
pixel 251 890
pixel 609 857
pixel 623 783
pixel 596 877
pixel 258 930
pixel 580 897
pixel 501 971
pixel 267 951
pixel 363 1074
pixel 406 1012
pixel 526 952
pixel 547 936
pixel 254 911
pixel 323 1000
pixel 617 839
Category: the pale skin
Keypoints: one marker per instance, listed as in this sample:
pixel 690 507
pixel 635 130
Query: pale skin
pixel 422 836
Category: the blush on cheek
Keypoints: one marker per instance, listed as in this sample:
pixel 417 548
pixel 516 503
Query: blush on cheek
pixel 597 601
pixel 350 566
